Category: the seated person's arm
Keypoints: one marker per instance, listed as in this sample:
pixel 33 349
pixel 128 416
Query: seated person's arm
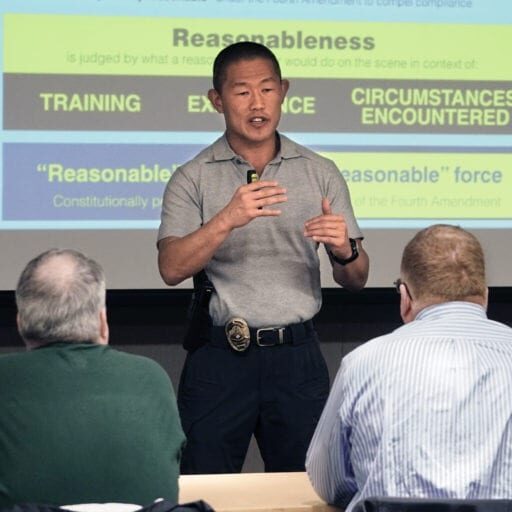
pixel 328 459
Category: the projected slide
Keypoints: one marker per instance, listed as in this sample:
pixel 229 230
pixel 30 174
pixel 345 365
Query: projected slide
pixel 103 99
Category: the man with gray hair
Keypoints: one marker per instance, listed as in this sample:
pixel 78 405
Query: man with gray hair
pixel 81 422
pixel 425 411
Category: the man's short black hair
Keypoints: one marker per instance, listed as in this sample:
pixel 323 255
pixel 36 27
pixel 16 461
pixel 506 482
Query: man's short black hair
pixel 244 50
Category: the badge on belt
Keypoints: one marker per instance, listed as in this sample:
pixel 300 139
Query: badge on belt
pixel 238 334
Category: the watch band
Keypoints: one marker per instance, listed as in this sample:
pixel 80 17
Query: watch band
pixel 352 257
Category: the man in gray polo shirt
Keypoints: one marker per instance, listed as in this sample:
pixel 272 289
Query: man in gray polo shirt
pixel 251 210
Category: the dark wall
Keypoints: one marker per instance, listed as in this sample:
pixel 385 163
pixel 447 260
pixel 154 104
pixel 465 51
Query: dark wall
pixel 152 321
pixel 158 317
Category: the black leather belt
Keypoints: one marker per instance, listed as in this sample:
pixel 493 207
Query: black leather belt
pixel 268 336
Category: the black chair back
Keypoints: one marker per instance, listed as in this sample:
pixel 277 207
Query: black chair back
pixel 386 504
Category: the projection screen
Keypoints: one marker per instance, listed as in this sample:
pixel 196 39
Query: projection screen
pixel 103 99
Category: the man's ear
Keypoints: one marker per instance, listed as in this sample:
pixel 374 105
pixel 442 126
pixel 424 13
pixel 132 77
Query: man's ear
pixel 18 322
pixel 104 330
pixel 406 306
pixel 216 100
pixel 285 85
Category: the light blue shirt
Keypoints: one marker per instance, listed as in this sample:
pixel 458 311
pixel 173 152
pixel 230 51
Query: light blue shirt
pixel 425 411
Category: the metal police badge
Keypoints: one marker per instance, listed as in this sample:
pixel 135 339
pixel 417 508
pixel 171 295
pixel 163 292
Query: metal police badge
pixel 238 335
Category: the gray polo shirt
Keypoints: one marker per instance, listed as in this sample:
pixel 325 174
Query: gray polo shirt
pixel 266 272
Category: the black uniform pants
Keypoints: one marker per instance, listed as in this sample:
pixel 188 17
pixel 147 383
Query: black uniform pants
pixel 276 393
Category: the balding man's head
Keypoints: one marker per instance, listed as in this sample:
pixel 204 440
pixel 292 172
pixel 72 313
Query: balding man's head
pixel 60 296
pixel 444 263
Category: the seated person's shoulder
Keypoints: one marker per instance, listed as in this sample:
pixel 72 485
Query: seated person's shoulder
pixel 135 363
pixel 10 363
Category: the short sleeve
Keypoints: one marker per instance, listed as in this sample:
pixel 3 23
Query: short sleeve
pixel 339 195
pixel 181 205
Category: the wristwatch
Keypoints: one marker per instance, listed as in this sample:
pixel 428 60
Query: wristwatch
pixel 352 257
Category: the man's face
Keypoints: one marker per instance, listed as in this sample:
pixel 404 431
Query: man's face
pixel 250 100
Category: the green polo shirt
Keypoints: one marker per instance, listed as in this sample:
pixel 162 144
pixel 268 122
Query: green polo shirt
pixel 85 423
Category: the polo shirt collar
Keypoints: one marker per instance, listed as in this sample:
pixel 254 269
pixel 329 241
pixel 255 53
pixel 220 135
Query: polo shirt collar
pixel 221 150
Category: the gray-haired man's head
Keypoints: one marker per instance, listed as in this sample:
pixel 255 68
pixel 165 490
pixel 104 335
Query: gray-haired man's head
pixel 61 298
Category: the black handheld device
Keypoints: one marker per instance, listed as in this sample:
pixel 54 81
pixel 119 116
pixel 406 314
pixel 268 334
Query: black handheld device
pixel 252 176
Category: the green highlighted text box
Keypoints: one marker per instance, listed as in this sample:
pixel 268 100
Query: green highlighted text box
pixel 112 45
pixel 428 185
